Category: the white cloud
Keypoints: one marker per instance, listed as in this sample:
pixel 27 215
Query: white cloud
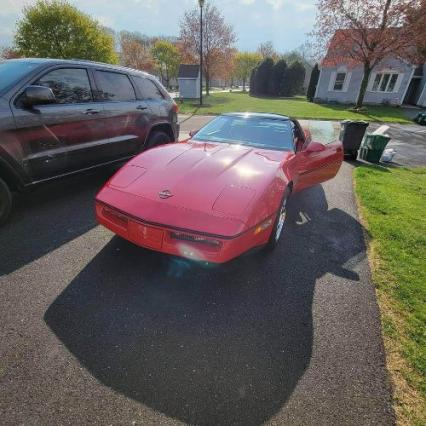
pixel 303 7
pixel 106 21
pixel 247 2
pixel 276 4
pixel 12 7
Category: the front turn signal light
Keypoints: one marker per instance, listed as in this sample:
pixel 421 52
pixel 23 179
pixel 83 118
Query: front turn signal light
pixel 263 226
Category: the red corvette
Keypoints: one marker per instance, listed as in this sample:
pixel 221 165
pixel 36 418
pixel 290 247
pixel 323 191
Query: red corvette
pixel 220 193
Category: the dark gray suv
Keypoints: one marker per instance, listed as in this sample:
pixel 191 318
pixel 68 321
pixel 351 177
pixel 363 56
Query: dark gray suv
pixel 59 117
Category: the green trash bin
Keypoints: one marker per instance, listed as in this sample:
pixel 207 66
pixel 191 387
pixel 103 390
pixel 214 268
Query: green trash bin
pixel 372 147
pixel 421 118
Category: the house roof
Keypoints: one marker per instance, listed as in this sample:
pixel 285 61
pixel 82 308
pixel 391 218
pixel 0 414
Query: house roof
pixel 345 42
pixel 188 71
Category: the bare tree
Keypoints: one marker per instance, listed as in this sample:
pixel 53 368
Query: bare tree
pixel 364 32
pixel 266 50
pixel 218 39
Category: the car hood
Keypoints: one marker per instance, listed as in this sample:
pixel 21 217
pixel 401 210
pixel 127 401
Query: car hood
pixel 214 179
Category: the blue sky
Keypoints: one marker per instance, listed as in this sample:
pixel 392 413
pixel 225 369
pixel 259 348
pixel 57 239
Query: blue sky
pixel 284 22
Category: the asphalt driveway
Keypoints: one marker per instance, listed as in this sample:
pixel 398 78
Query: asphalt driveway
pixel 95 330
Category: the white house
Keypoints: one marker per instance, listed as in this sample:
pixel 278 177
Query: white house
pixel 393 81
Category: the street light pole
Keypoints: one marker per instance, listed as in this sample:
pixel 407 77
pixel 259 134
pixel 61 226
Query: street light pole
pixel 201 3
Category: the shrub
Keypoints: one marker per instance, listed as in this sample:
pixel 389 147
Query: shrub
pixel 313 83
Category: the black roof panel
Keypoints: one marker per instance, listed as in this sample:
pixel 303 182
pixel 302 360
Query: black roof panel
pixel 188 71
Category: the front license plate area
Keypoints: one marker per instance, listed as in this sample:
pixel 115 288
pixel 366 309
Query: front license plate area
pixel 147 236
pixel 151 237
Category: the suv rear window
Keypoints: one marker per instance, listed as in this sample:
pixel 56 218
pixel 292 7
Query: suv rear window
pixel 69 85
pixel 114 86
pixel 148 89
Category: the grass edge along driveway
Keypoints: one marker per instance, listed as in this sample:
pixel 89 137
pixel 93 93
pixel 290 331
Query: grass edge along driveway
pixel 392 206
pixel 297 107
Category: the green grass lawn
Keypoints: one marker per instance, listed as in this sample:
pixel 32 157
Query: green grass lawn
pixel 297 107
pixel 393 208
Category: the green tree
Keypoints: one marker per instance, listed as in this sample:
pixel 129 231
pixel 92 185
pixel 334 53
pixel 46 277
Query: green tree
pixel 167 58
pixel 253 81
pixel 313 83
pixel 294 78
pixel 278 77
pixel 263 76
pixel 56 29
pixel 244 64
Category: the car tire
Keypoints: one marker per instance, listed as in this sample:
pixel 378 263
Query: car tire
pixel 157 138
pixel 279 224
pixel 5 202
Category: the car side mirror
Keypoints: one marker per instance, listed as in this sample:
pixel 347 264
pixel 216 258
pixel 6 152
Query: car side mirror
pixel 193 133
pixel 38 95
pixel 314 147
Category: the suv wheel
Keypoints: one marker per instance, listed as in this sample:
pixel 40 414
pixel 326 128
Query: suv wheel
pixel 157 138
pixel 5 201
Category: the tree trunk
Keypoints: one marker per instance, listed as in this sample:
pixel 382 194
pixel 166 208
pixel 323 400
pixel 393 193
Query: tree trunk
pixel 364 83
pixel 167 78
pixel 244 84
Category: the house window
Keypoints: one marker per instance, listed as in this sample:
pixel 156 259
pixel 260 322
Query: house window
pixel 340 80
pixel 384 82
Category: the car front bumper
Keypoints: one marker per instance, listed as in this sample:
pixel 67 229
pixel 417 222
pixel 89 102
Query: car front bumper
pixel 183 243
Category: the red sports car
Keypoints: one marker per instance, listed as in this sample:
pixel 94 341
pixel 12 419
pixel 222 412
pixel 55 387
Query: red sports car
pixel 219 193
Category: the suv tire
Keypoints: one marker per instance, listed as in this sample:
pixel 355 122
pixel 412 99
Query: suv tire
pixel 5 201
pixel 157 138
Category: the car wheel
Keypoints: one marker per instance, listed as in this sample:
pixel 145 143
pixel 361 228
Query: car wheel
pixel 280 222
pixel 157 139
pixel 5 201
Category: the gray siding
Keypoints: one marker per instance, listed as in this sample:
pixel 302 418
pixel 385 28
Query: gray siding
pixel 396 98
pixel 348 96
pixel 422 99
pixel 325 92
pixel 189 88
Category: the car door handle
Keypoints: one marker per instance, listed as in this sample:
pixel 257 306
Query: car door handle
pixel 141 107
pixel 92 111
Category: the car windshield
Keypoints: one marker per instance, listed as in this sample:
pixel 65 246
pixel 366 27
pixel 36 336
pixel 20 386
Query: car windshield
pixel 256 131
pixel 11 71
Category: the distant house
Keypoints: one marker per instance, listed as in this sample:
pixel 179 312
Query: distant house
pixel 189 81
pixel 393 81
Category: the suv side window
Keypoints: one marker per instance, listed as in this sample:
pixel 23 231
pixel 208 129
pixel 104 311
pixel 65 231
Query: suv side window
pixel 69 85
pixel 114 86
pixel 148 89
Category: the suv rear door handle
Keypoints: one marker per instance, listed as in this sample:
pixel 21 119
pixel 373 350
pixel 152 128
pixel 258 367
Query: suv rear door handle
pixel 92 111
pixel 141 107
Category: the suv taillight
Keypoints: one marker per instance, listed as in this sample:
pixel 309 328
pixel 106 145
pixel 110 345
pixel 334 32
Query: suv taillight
pixel 175 107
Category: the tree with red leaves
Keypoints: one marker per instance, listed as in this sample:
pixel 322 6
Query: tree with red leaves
pixel 9 53
pixel 364 32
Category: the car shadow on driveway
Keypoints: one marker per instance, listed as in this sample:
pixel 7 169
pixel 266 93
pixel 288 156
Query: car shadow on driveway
pixel 48 217
pixel 206 344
